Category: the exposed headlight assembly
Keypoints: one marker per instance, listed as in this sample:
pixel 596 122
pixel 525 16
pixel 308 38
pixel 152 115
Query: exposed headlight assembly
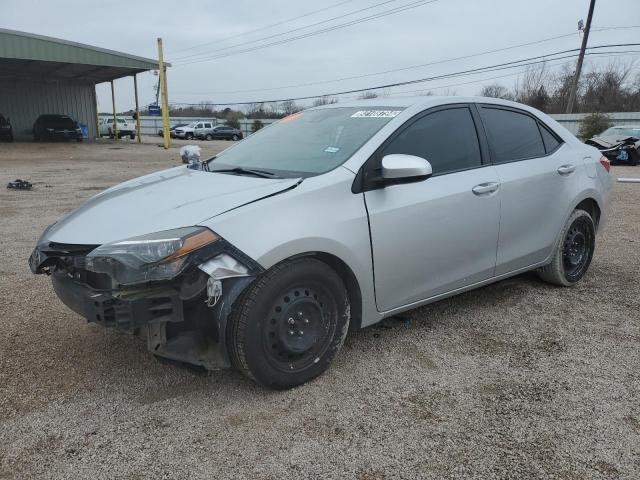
pixel 153 257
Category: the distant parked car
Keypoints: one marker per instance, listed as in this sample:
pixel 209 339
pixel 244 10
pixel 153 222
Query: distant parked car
pixel 6 132
pixel 172 130
pixel 221 133
pixel 125 128
pixel 619 144
pixel 54 126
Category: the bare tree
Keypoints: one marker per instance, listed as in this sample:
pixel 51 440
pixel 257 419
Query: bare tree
pixel 495 90
pixel 532 87
pixel 368 95
pixel 324 100
pixel 289 107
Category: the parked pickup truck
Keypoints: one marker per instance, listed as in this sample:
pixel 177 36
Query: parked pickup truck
pixel 124 128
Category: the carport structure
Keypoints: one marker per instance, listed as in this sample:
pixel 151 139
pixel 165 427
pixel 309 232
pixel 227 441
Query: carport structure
pixel 40 75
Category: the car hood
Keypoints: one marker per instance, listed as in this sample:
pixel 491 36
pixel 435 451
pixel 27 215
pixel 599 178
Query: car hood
pixel 610 141
pixel 172 198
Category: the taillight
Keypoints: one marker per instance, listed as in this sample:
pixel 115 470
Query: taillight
pixel 604 161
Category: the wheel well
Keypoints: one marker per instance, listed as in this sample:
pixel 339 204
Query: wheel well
pixel 590 206
pixel 350 281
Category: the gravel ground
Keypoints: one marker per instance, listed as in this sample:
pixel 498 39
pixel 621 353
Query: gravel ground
pixel 515 380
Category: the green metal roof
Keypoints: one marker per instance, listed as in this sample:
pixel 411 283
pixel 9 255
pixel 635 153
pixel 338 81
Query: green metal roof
pixel 26 54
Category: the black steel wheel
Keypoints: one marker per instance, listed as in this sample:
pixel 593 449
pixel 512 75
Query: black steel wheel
pixel 573 254
pixel 289 324
pixel 577 248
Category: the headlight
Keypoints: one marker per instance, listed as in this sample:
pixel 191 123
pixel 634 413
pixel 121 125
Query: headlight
pixel 157 256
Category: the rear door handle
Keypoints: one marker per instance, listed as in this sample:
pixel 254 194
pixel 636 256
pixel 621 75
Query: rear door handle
pixel 566 169
pixel 485 188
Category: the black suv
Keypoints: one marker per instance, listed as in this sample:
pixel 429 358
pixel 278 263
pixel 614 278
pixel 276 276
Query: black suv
pixel 6 132
pixel 51 127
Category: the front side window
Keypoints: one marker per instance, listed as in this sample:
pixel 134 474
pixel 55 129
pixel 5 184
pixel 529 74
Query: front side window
pixel 446 138
pixel 512 135
pixel 307 143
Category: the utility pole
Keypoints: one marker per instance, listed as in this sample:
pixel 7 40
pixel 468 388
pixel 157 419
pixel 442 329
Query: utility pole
pixel 165 97
pixel 576 77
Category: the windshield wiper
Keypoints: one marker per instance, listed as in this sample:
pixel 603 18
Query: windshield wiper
pixel 247 171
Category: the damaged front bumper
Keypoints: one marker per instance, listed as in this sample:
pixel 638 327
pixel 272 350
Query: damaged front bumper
pixel 183 319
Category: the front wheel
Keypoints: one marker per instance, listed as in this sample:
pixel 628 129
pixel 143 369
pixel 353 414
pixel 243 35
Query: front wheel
pixel 287 327
pixel 188 136
pixel 574 252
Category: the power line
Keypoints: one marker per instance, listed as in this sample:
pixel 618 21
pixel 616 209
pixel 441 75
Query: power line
pixel 310 34
pixel 263 28
pixel 490 68
pixel 411 67
pixel 513 74
pixel 371 7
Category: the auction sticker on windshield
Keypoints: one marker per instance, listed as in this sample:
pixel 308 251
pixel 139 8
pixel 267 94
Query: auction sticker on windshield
pixel 376 114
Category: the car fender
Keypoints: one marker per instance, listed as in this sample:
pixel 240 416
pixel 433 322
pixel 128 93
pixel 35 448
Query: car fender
pixel 320 215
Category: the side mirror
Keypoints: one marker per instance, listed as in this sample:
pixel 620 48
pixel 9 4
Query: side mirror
pixel 398 167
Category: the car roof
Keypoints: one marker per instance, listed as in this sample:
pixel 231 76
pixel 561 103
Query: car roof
pixel 424 101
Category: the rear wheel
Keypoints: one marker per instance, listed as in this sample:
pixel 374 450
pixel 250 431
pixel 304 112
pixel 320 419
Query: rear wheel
pixel 235 138
pixel 132 136
pixel 289 324
pixel 574 252
pixel 208 136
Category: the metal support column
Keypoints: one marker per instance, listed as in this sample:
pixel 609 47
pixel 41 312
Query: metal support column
pixel 135 89
pixel 113 104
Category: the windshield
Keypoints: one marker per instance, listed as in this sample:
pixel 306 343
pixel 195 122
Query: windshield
pixel 58 121
pixel 307 143
pixel 622 132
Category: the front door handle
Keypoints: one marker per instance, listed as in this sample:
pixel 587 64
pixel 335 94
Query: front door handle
pixel 566 169
pixel 485 188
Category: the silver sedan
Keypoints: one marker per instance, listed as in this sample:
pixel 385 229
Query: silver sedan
pixel 331 219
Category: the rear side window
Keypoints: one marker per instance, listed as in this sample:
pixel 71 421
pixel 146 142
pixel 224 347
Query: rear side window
pixel 446 138
pixel 512 135
pixel 551 142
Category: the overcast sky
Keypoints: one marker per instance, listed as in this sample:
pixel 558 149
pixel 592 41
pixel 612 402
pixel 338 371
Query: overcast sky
pixel 428 33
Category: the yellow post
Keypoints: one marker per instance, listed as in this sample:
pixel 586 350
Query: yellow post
pixel 135 89
pixel 113 104
pixel 165 97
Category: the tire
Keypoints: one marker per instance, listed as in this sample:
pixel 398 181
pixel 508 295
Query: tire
pixel 208 136
pixel 266 336
pixel 188 136
pixel 573 253
pixel 235 138
pixel 132 136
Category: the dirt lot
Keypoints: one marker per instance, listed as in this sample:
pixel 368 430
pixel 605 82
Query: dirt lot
pixel 515 380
